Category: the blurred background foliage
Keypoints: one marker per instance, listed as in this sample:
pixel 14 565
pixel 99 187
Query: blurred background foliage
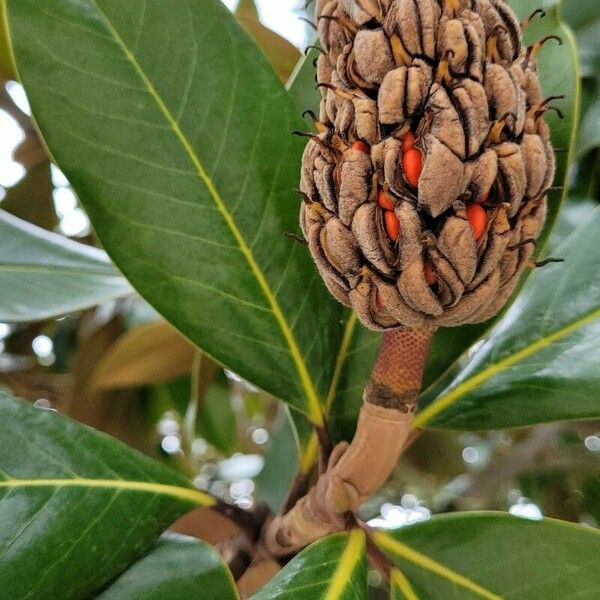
pixel 121 369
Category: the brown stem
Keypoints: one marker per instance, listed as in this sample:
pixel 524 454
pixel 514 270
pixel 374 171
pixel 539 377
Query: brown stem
pixel 325 447
pixel 296 491
pixel 358 470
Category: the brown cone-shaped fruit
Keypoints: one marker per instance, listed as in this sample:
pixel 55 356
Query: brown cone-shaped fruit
pixel 429 108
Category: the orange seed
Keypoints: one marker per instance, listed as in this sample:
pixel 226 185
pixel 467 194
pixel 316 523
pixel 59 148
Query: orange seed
pixel 477 219
pixel 392 225
pixel 384 200
pixel 412 163
pixel 408 141
pixel 361 147
pixel 430 276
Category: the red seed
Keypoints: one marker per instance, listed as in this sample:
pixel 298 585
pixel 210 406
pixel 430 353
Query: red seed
pixel 430 276
pixel 408 141
pixel 412 163
pixel 477 219
pixel 384 200
pixel 392 225
pixel 361 147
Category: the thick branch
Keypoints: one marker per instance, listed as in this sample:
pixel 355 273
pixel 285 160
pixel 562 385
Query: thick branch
pixel 358 470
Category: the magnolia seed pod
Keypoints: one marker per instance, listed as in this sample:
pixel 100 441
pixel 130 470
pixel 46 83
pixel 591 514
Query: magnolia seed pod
pixel 425 189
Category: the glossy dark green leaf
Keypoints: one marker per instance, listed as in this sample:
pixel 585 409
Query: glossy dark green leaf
pixel 176 568
pixel 334 568
pixel 559 71
pixel 494 556
pixel 540 363
pixel 45 275
pixel 584 17
pixel 589 137
pixel 175 132
pixel 302 84
pixel 575 212
pixel 76 506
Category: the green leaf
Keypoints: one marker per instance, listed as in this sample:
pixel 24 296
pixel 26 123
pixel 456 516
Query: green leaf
pixel 302 85
pixel 575 212
pixel 559 71
pixel 583 16
pixel 281 463
pixel 494 556
pixel 174 131
pixel 589 137
pixel 45 275
pixel 216 420
pixel 76 506
pixel 176 568
pixel 540 363
pixel 334 568
pixel 7 69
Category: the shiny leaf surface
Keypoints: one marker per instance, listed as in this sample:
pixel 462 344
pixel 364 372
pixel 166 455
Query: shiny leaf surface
pixel 174 131
pixel 76 506
pixel 333 568
pixel 559 71
pixel 494 556
pixel 45 275
pixel 175 568
pixel 540 363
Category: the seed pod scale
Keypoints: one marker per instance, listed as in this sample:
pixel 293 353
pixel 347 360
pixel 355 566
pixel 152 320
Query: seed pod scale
pixel 426 186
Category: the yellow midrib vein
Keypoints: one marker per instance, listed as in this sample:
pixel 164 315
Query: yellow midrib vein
pixel 309 453
pixel 393 546
pixel 399 579
pixel 342 575
pixel 173 491
pixel 442 403
pixel 341 360
pixel 314 405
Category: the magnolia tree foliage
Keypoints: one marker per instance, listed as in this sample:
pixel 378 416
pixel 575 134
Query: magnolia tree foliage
pixel 175 132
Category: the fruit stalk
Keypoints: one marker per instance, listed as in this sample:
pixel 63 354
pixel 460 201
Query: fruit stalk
pixel 357 470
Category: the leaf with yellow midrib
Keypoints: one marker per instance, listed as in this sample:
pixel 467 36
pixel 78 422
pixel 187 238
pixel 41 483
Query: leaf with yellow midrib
pixel 178 147
pixel 334 568
pixel 493 556
pixel 84 502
